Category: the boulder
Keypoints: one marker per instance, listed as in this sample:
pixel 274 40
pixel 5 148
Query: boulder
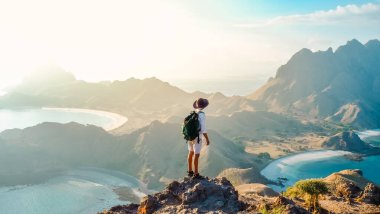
pixel 371 194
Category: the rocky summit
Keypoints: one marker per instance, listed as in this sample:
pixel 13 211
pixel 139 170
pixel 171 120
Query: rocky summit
pixel 216 195
pixel 348 192
pixel 208 195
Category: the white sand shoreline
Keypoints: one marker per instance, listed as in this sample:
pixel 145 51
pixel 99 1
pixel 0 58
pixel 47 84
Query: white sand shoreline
pixel 313 155
pixel 301 157
pixel 117 119
pixel 368 133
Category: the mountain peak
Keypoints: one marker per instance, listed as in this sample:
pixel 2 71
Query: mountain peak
pixel 354 42
pixel 304 51
pixel 373 43
pixel 351 46
pixel 301 55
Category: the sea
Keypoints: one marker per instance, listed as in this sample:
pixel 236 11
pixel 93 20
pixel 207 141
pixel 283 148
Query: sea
pixel 86 190
pixel 319 164
pixel 26 117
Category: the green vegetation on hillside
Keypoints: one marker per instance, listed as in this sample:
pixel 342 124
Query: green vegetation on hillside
pixel 310 190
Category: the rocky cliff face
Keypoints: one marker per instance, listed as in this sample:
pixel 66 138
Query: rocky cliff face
pixel 190 196
pixel 349 141
pixel 342 86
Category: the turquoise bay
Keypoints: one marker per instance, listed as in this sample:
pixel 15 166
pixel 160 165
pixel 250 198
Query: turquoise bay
pixel 75 191
pixel 23 117
pixel 318 164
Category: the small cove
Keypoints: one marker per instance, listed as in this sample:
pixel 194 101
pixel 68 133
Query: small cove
pixel 26 117
pixel 84 191
pixel 318 164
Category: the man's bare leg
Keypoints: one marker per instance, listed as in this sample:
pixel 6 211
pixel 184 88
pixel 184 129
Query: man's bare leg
pixel 190 161
pixel 196 157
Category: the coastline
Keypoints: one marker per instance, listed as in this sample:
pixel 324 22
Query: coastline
pixel 84 189
pixel 362 135
pixel 305 156
pixel 278 168
pixel 314 155
pixel 117 119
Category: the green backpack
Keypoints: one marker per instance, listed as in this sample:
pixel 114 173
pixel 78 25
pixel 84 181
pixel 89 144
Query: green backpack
pixel 191 127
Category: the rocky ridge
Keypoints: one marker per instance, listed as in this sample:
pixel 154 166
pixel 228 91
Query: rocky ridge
pixel 349 192
pixel 350 141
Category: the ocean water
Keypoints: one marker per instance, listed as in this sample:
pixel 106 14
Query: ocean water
pixel 320 164
pixel 77 191
pixel 22 118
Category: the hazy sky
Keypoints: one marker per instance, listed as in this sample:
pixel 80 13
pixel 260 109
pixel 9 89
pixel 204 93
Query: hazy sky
pixel 211 45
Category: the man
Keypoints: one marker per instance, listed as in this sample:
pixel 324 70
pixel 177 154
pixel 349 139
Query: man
pixel 195 146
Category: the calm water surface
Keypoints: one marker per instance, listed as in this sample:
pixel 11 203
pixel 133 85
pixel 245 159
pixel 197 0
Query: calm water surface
pixel 22 118
pixel 320 164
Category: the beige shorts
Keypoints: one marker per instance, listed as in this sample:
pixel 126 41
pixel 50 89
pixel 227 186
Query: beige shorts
pixel 195 146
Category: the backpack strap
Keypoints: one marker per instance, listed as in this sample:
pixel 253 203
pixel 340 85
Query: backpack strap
pixel 199 112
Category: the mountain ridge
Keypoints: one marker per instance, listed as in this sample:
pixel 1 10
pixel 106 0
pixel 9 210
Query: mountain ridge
pixel 319 84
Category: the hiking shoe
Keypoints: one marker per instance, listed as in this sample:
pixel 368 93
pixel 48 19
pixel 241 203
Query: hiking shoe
pixel 197 176
pixel 190 173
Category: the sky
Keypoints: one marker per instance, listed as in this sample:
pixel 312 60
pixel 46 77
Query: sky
pixel 231 46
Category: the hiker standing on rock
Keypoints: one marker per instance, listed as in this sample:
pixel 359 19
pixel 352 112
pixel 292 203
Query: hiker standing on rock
pixel 194 128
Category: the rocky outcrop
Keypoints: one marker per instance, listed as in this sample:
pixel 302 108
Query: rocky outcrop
pixel 349 192
pixel 278 204
pixel 351 184
pixel 215 195
pixel 349 141
pixel 371 194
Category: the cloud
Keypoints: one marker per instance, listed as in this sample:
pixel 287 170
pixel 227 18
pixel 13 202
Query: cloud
pixel 349 13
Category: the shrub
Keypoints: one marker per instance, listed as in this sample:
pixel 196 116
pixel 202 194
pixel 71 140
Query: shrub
pixel 264 155
pixel 310 190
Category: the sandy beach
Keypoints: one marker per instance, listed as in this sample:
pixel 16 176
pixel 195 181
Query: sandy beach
pixel 117 119
pixel 301 157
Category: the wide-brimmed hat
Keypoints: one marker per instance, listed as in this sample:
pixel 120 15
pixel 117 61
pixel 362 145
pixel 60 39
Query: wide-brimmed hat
pixel 200 103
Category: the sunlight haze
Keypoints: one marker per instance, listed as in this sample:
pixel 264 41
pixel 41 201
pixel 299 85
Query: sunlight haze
pixel 227 46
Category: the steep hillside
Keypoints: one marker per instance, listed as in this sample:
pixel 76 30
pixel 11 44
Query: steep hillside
pixel 155 154
pixel 342 86
pixel 162 152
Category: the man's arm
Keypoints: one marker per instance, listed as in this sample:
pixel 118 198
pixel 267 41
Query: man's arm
pixel 206 137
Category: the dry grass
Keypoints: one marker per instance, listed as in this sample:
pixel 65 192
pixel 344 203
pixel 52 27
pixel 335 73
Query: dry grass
pixel 283 146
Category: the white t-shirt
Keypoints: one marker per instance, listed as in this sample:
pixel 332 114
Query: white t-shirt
pixel 202 121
